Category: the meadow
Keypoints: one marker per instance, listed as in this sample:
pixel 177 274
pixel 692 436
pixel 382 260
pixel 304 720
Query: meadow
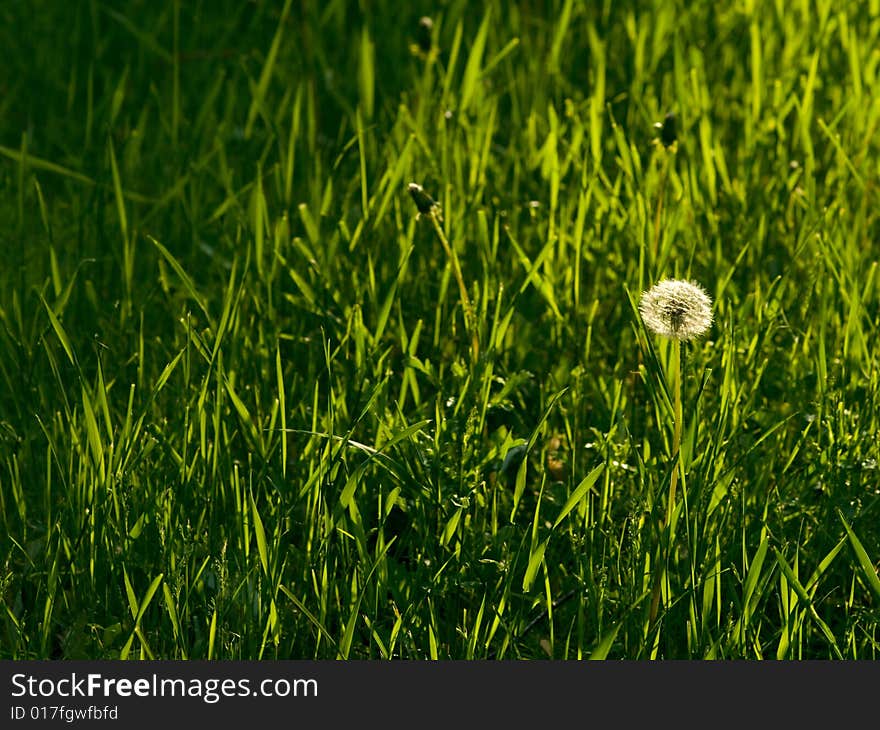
pixel 262 399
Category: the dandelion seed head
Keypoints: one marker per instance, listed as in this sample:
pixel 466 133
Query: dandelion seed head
pixel 668 133
pixel 425 203
pixel 426 26
pixel 676 308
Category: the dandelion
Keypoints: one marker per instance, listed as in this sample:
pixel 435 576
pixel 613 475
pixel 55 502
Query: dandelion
pixel 425 204
pixel 430 208
pixel 423 45
pixel 669 140
pixel 426 28
pixel 680 310
pixel 668 133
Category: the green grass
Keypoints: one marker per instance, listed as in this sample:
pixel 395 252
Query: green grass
pixel 240 412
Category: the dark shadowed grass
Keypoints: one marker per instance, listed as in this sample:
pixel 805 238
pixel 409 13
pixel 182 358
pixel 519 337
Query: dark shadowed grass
pixel 240 411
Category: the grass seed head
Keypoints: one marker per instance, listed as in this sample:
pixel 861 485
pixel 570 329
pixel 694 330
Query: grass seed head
pixel 675 308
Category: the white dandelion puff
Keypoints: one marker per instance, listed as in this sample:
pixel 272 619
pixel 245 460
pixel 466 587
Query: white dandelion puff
pixel 677 309
pixel 680 310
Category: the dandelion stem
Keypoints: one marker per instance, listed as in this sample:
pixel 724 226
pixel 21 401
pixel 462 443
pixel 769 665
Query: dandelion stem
pixel 655 241
pixel 676 434
pixel 666 525
pixel 469 318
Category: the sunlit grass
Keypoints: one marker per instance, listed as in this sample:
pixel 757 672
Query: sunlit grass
pixel 253 405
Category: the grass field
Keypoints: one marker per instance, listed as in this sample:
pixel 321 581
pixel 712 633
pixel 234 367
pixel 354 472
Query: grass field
pixel 254 404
